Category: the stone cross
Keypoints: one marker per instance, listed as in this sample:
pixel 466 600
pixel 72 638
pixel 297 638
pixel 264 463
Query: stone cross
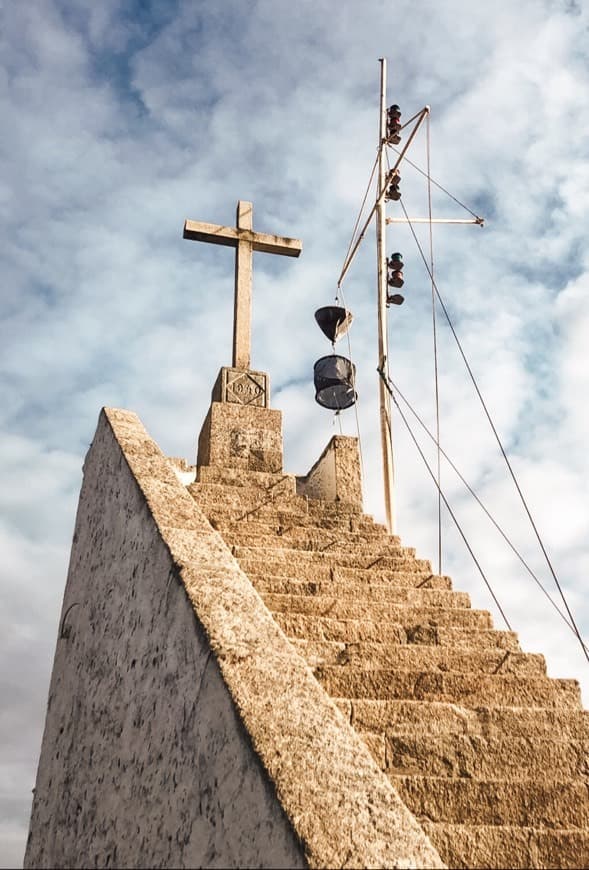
pixel 245 241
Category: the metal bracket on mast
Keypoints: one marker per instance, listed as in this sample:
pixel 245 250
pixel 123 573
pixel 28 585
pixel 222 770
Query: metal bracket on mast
pixel 480 222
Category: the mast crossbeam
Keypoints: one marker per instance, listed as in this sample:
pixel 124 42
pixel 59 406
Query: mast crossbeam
pixel 477 221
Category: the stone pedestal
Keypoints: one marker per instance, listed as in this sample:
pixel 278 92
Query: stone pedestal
pixel 240 430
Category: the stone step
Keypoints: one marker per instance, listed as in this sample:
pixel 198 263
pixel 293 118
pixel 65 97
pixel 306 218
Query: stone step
pixel 363 532
pixel 498 846
pixel 276 562
pixel 483 758
pixel 280 517
pixel 233 510
pixel 377 592
pixel 247 498
pixel 277 498
pixel 356 579
pixel 526 802
pixel 261 480
pixel 437 718
pixel 354 522
pixel 320 521
pixel 413 618
pixel 416 657
pixel 337 573
pixel 313 627
pixel 321 508
pixel 472 690
pixel 401 560
pixel 317 541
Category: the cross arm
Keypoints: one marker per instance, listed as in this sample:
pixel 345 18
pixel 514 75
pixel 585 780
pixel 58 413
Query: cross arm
pixel 199 231
pixel 230 236
pixel 270 244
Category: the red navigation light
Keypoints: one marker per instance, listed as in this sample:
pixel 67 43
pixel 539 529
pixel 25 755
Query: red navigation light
pixel 395 278
pixel 393 192
pixel 393 124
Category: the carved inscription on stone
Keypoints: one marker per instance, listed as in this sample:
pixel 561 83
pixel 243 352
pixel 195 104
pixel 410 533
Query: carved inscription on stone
pixel 246 388
pixel 239 443
pixel 242 387
pixel 246 441
pixel 255 449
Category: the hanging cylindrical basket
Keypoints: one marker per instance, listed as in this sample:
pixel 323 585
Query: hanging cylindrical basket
pixel 334 382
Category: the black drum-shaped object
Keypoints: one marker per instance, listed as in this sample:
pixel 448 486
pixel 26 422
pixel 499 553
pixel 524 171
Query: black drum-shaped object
pixel 334 382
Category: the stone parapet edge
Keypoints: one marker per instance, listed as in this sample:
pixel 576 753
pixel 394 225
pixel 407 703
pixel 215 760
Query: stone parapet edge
pixel 343 808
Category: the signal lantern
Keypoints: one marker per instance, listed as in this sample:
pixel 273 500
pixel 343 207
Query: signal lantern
pixel 393 192
pixel 395 262
pixel 393 124
pixel 395 278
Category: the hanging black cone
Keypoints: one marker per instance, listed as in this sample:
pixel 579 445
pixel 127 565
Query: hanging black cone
pixel 334 382
pixel 333 321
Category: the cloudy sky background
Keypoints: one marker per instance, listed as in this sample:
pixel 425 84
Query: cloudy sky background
pixel 121 119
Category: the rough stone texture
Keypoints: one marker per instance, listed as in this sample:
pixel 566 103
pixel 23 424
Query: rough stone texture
pixel 192 737
pixel 336 474
pixel 145 762
pixel 234 436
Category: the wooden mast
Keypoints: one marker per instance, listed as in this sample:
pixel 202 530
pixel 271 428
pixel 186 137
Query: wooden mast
pixel 384 398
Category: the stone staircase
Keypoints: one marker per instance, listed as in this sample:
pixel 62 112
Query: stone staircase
pixel 488 753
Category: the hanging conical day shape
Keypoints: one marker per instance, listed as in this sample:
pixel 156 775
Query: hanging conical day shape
pixel 333 321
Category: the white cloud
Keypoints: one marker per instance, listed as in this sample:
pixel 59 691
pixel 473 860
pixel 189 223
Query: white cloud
pixel 117 126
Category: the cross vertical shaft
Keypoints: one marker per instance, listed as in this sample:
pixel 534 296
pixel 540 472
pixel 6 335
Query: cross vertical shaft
pixel 242 305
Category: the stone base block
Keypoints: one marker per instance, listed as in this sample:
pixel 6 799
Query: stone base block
pixel 238 436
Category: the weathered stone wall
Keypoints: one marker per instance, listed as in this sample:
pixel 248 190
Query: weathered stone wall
pixel 145 762
pixel 336 474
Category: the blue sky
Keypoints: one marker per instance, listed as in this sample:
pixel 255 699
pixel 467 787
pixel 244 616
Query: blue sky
pixel 120 120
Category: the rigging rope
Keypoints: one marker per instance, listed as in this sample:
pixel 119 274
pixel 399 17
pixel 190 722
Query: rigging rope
pixel 356 225
pixel 498 439
pixel 340 289
pixel 439 186
pixel 441 497
pixel 484 508
pixel 445 500
pixel 435 343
